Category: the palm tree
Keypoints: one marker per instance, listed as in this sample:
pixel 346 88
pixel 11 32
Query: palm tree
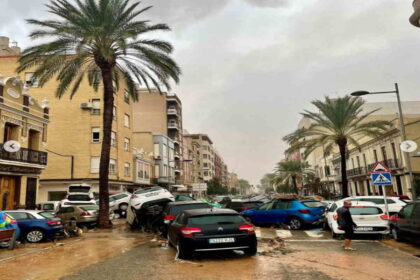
pixel 99 40
pixel 289 170
pixel 339 122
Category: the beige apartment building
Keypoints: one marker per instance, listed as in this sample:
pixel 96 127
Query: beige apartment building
pixel 385 149
pixel 25 121
pixel 233 181
pixel 75 136
pixel 161 114
pixel 205 156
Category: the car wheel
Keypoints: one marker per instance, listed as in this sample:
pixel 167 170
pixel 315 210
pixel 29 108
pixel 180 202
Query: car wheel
pixel 396 234
pixel 123 207
pixel 325 226
pixel 295 223
pixel 251 251
pixel 183 252
pixel 35 236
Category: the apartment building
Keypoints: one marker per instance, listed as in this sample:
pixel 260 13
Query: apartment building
pixel 233 181
pixel 360 160
pixel 205 156
pixel 75 135
pixel 161 114
pixel 196 174
pixel 25 121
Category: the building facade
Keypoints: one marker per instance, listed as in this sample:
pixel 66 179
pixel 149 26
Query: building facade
pixel 204 156
pixel 164 160
pixel 24 124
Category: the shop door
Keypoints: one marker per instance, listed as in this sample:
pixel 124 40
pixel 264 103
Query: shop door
pixel 7 192
pixel 31 193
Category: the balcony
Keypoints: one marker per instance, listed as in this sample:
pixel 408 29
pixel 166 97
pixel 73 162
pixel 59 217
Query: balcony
pixel 24 155
pixel 365 171
pixel 172 111
pixel 173 125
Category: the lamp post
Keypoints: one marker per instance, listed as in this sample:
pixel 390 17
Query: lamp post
pixel 402 129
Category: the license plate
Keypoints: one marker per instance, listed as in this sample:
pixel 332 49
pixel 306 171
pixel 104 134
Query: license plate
pixel 364 228
pixel 221 240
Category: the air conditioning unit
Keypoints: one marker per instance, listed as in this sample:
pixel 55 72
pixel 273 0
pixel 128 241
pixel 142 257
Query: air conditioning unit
pixel 86 105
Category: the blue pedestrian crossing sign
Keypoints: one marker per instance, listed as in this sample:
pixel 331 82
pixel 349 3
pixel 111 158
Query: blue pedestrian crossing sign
pixel 381 175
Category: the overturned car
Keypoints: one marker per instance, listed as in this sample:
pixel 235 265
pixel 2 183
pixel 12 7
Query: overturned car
pixel 145 205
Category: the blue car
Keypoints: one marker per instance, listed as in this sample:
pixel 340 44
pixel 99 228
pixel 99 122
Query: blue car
pixel 295 213
pixel 36 226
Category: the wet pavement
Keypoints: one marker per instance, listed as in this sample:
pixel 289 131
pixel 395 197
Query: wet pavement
pixel 283 254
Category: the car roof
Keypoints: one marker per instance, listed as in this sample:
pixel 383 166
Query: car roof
pixel 186 202
pixel 209 211
pixel 369 196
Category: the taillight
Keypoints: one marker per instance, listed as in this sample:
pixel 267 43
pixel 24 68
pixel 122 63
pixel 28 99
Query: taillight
pixel 248 228
pixel 53 223
pixel 168 218
pixel 84 214
pixel 190 231
pixel 335 217
pixel 394 218
pixel 304 211
pixel 384 217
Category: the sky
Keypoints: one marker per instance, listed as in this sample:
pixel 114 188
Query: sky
pixel 251 66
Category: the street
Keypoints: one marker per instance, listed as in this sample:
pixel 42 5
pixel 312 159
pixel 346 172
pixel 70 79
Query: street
pixel 306 254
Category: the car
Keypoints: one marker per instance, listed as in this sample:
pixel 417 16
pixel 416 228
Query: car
pixel 295 213
pixel 143 198
pixel 112 203
pixel 80 188
pixel 368 216
pixel 214 229
pixel 121 201
pixel 36 226
pixel 394 203
pixel 48 206
pixel 181 197
pixel 242 205
pixel 83 215
pixel 78 199
pixel 172 209
pixel 406 224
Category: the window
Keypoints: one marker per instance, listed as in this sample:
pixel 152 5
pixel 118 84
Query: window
pixel 127 97
pixel 157 150
pixel 112 166
pixel 94 164
pixel 383 149
pixel 375 155
pixel 281 205
pixel 165 151
pixel 113 138
pixel 205 164
pixel 126 169
pixel 96 106
pixel 157 171
pixel 30 81
pixel 126 120
pixel 206 173
pixel 114 113
pixel 126 144
pixel 407 211
pixel 96 134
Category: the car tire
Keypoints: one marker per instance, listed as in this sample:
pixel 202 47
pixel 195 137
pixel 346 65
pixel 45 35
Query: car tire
pixel 35 235
pixel 396 234
pixel 325 226
pixel 135 224
pixel 251 251
pixel 295 223
pixel 183 252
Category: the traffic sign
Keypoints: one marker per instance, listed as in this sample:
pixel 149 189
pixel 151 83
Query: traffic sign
pixel 408 146
pixel 381 175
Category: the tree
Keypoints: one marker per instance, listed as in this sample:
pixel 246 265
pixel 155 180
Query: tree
pixel 215 187
pixel 338 123
pixel 266 182
pixel 289 171
pixel 244 186
pixel 99 40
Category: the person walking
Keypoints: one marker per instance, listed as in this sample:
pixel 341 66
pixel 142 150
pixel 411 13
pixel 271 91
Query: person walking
pixel 345 222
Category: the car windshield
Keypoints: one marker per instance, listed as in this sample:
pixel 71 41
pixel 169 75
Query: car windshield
pixel 148 190
pixel 47 215
pixel 80 189
pixel 365 210
pixel 174 210
pixel 48 206
pixel 313 204
pixel 78 197
pixel 90 207
pixel 215 219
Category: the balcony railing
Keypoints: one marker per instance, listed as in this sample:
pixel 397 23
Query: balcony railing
pixel 24 155
pixel 172 111
pixel 173 125
pixel 363 171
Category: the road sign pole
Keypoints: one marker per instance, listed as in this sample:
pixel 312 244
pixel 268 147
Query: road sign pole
pixel 386 202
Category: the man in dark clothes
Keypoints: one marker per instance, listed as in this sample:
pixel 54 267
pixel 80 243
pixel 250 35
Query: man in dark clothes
pixel 345 222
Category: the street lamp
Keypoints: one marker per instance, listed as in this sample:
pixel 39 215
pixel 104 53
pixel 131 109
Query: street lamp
pixel 402 129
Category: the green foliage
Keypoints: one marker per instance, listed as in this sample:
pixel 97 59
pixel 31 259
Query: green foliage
pixel 266 182
pixel 214 187
pixel 288 173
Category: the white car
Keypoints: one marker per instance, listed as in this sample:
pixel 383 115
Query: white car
pixel 49 206
pixel 120 201
pixel 79 194
pixel 144 198
pixel 80 188
pixel 394 203
pixel 369 218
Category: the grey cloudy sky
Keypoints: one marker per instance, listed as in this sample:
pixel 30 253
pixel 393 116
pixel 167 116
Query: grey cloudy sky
pixel 250 66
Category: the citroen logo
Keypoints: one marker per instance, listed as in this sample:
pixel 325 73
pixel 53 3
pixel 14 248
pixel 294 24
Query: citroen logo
pixel 220 229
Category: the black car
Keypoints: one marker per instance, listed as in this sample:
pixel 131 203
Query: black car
pixel 174 208
pixel 213 229
pixel 406 224
pixel 240 206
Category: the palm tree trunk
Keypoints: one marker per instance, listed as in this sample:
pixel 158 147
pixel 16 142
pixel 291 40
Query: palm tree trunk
pixel 106 147
pixel 344 183
pixel 294 182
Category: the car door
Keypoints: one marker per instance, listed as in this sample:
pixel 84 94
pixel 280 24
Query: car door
pixel 415 221
pixel 261 214
pixel 404 219
pixel 175 228
pixel 278 213
pixel 24 220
